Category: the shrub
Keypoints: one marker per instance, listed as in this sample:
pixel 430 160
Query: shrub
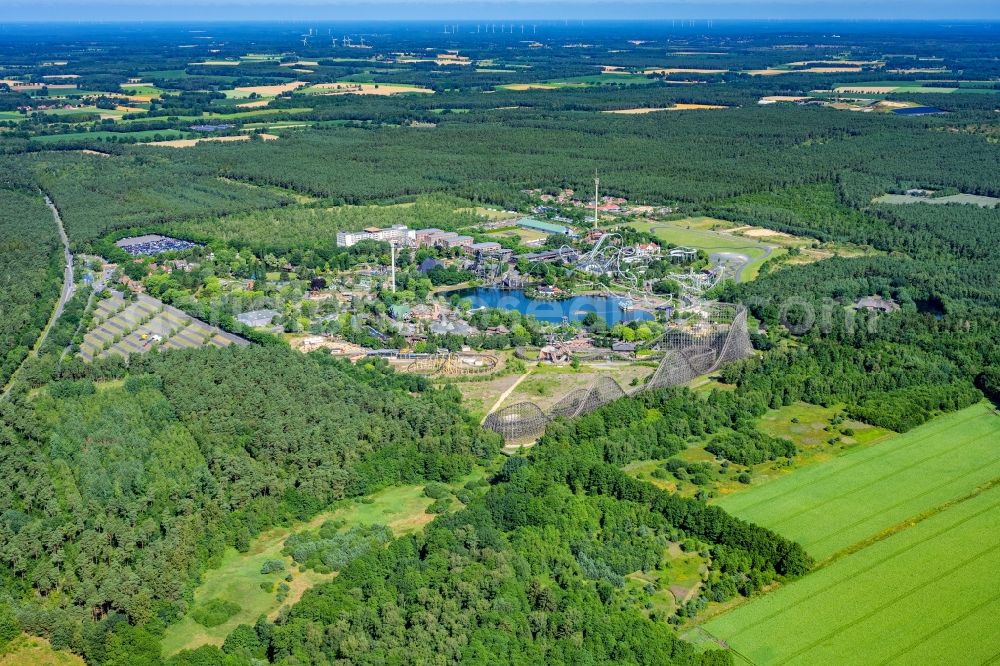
pixel 9 626
pixel 440 506
pixel 271 566
pixel 214 612
pixel 436 490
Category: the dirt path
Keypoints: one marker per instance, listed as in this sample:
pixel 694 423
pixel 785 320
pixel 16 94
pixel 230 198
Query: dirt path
pixel 505 395
pixel 67 293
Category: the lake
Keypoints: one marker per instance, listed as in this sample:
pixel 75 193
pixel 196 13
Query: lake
pixel 543 309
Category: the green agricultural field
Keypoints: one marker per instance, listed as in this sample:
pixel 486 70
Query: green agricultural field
pixel 927 595
pixel 919 87
pixel 835 506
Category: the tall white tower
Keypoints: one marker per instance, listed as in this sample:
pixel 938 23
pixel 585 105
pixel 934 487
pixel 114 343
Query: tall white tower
pixel 392 255
pixel 597 198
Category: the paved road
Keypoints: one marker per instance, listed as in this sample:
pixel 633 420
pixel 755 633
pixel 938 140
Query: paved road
pixel 67 293
pixel 741 260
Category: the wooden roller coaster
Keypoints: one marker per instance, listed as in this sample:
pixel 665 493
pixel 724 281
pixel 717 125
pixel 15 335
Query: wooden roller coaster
pixel 454 365
pixel 720 339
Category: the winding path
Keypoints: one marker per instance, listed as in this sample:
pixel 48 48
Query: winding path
pixel 67 293
pixel 505 395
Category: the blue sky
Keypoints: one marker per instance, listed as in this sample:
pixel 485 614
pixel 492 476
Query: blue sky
pixel 188 10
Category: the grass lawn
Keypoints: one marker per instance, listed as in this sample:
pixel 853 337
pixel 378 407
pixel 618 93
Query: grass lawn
pixel 25 649
pixel 237 578
pixel 806 424
pixel 696 233
pixel 479 396
pixel 831 507
pixel 929 594
pixel 548 384
pixel 524 236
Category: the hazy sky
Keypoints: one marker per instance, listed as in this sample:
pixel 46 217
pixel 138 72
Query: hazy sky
pixel 193 10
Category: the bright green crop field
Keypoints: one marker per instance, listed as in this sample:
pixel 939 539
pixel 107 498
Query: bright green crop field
pixel 929 594
pixel 831 507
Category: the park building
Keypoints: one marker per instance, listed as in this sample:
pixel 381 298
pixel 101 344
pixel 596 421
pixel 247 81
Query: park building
pixel 398 234
pixel 683 254
pixel 544 227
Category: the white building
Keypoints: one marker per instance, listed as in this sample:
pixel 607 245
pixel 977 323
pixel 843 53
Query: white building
pixel 398 234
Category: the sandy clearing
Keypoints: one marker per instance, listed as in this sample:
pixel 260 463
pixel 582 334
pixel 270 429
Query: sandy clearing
pixel 146 97
pixel 919 70
pixel 407 524
pixel 759 232
pixel 808 70
pixel 217 63
pixel 835 63
pixel 302 71
pixel 88 151
pixel 866 89
pixel 300 583
pixel 685 107
pixel 61 76
pixel 531 86
pixel 300 63
pixel 675 107
pixel 271 91
pixel 187 143
pixel 350 88
pixel 783 98
pixel 683 70
pixel 832 70
pixel 255 104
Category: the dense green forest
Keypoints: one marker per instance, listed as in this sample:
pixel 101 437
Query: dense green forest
pixel 30 272
pixel 100 194
pixel 532 570
pixel 315 227
pixel 117 496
